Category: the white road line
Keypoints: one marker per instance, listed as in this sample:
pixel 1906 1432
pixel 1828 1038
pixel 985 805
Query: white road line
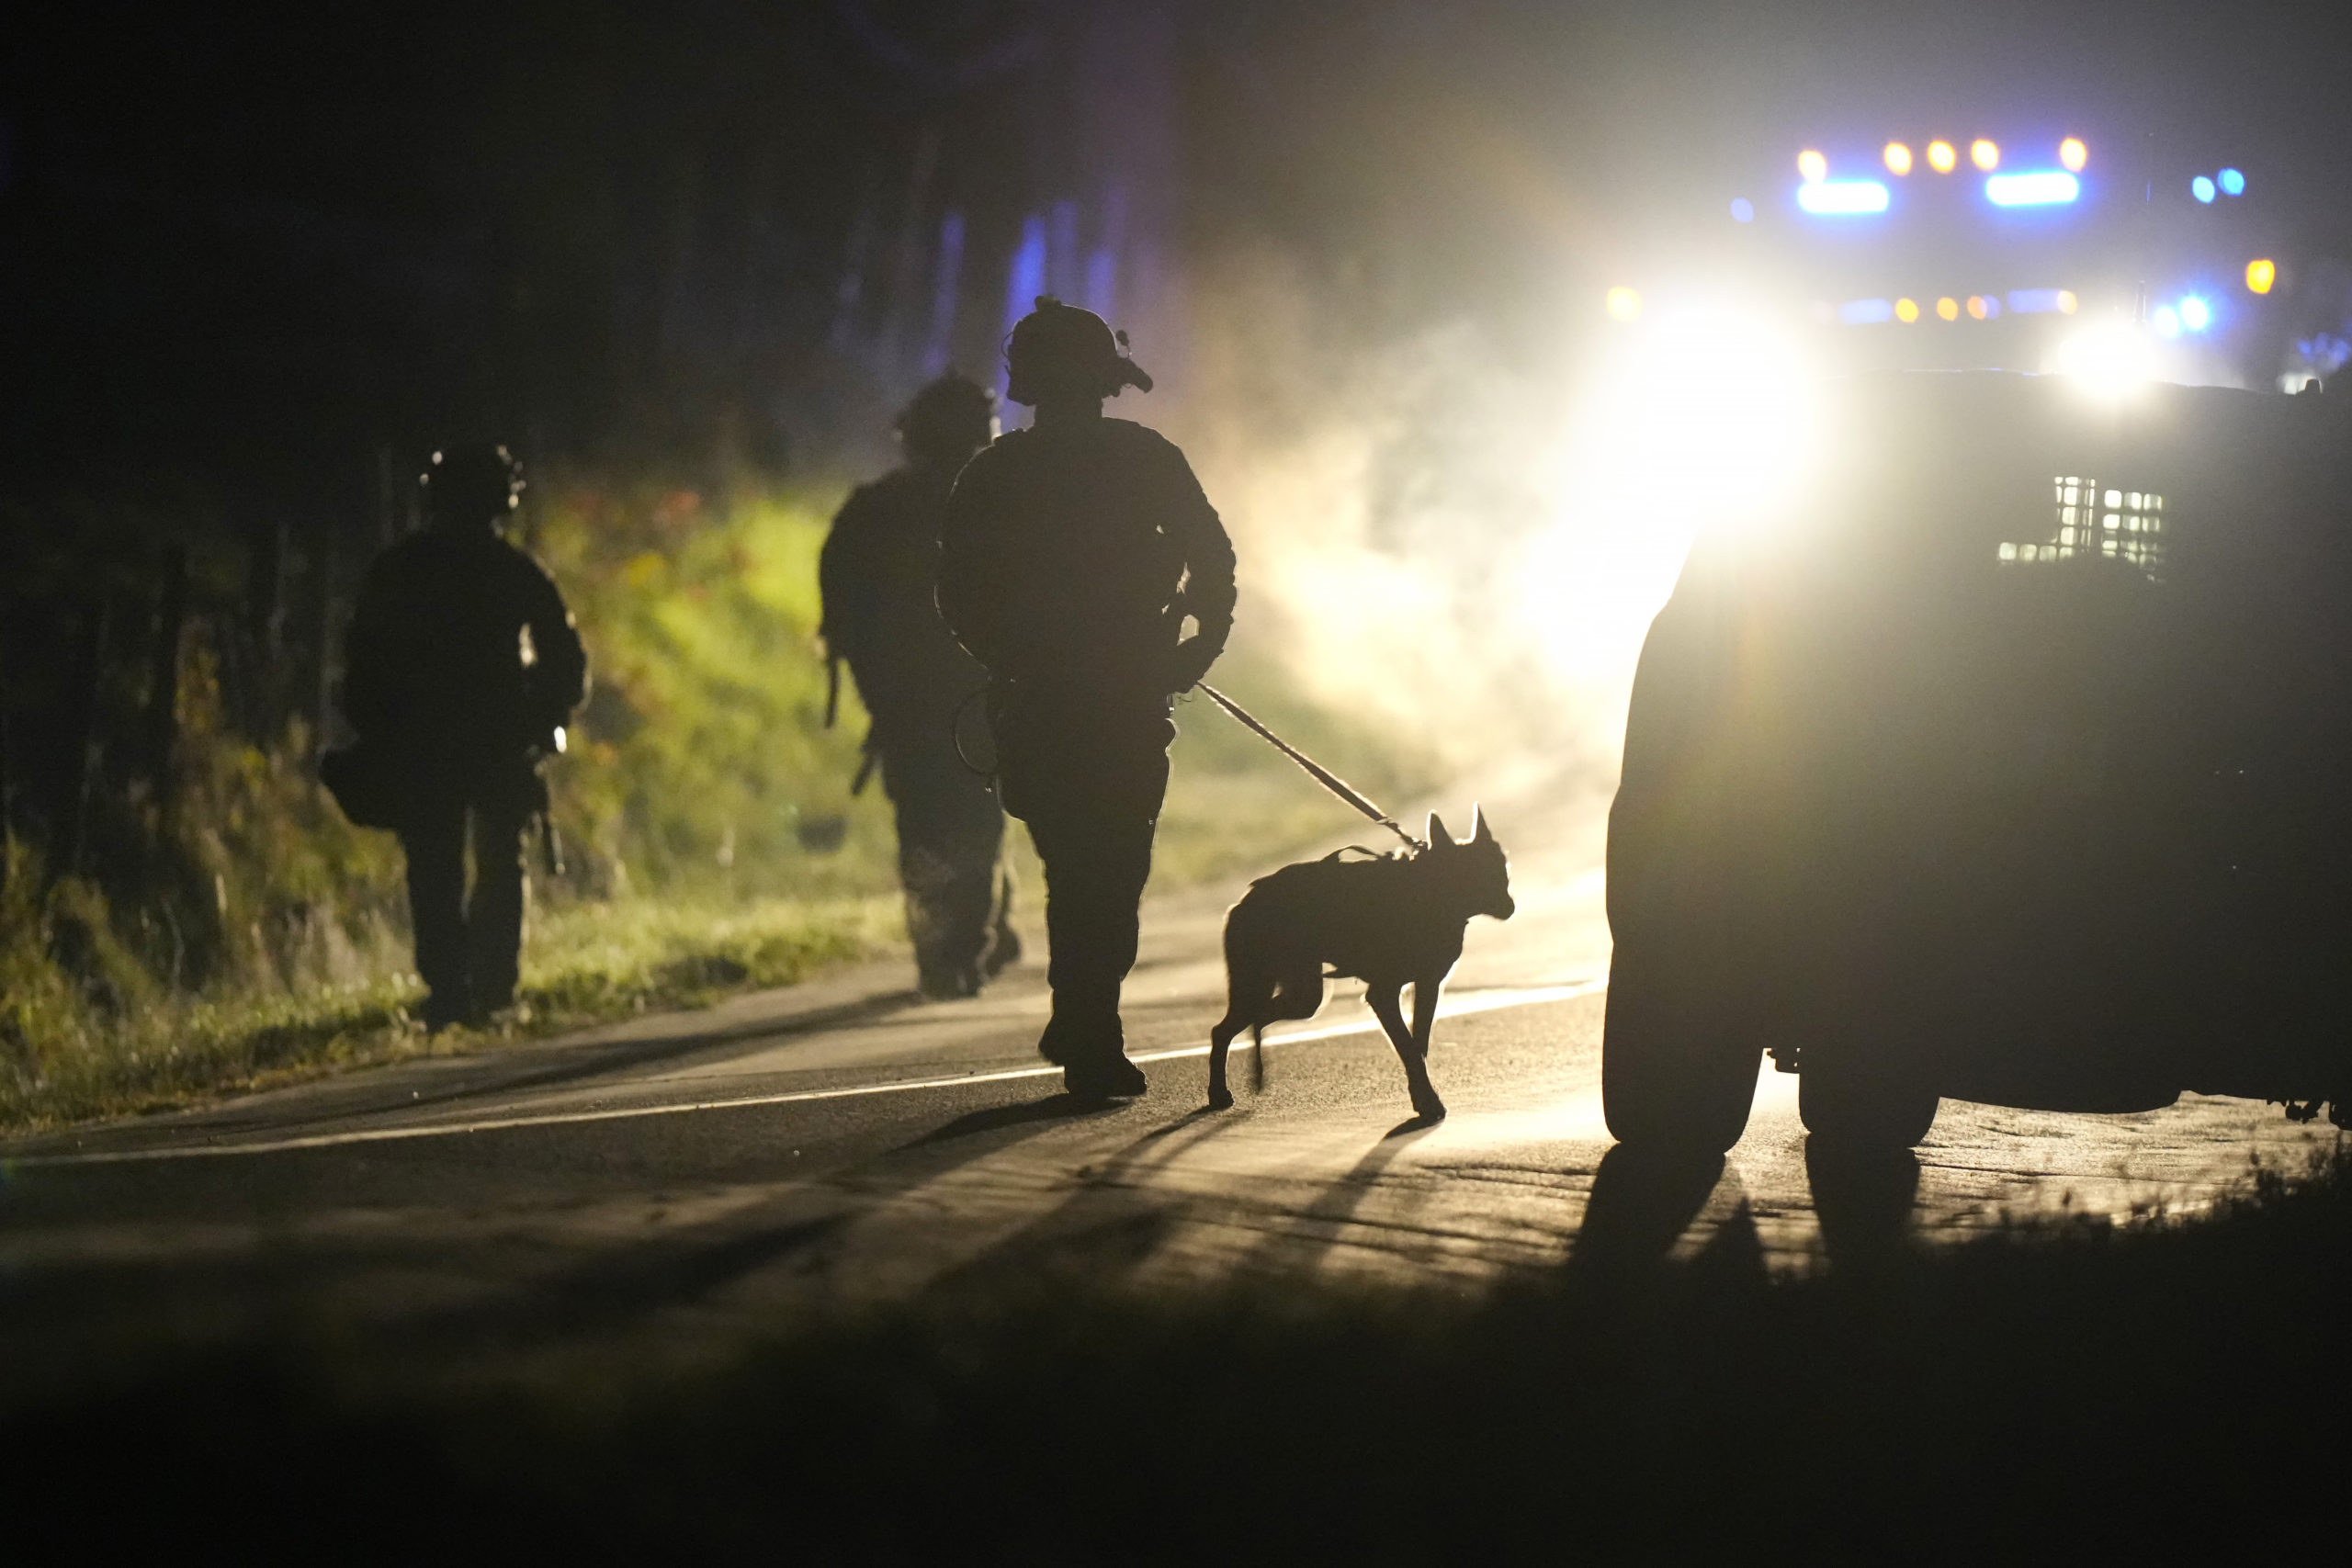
pixel 1475 1003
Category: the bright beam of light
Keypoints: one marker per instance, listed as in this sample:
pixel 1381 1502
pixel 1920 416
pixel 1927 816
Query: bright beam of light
pixel 1812 166
pixel 2044 188
pixel 2195 315
pixel 2073 153
pixel 1941 158
pixel 2201 188
pixel 1698 419
pixel 2111 360
pixel 1898 158
pixel 1985 155
pixel 2166 319
pixel 2261 276
pixel 2232 182
pixel 1841 198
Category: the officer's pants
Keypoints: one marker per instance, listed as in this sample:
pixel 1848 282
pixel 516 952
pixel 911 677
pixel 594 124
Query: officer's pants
pixel 466 948
pixel 1088 778
pixel 950 833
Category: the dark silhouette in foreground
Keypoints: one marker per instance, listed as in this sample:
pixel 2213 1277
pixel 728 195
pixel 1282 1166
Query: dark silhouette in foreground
pixel 1072 555
pixel 1389 920
pixel 2010 770
pixel 878 571
pixel 461 666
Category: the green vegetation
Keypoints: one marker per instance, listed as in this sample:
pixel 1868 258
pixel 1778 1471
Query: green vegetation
pixel 231 929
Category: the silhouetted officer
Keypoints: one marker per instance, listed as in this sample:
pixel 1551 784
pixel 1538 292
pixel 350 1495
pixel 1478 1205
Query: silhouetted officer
pixel 877 573
pixel 1072 554
pixel 460 665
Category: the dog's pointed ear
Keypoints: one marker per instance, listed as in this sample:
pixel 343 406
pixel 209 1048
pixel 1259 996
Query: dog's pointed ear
pixel 1479 832
pixel 1439 838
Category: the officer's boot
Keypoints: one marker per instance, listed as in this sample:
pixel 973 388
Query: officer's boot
pixel 1085 1038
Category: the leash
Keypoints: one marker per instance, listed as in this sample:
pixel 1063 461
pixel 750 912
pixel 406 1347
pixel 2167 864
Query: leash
pixel 1315 770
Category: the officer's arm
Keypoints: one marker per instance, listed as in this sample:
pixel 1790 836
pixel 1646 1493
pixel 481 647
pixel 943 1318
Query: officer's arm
pixel 845 580
pixel 559 675
pixel 967 593
pixel 1209 592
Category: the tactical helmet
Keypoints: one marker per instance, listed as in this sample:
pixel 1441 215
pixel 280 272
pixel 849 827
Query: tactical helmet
pixel 1059 347
pixel 949 418
pixel 474 481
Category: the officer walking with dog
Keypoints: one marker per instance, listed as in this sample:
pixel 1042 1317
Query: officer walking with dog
pixel 1072 555
pixel 878 573
pixel 461 666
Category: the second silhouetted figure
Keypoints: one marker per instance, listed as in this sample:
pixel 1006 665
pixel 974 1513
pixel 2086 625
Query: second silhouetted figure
pixel 878 571
pixel 1073 553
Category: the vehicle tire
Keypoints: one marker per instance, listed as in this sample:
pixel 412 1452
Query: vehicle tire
pixel 1861 1106
pixel 1673 1076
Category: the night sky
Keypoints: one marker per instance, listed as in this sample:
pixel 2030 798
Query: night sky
pixel 251 248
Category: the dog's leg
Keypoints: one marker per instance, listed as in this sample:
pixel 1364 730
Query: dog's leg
pixel 1249 995
pixel 1383 998
pixel 1425 990
pixel 1220 1041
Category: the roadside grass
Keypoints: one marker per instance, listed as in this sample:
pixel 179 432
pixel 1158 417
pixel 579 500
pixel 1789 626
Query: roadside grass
pixel 2066 1391
pixel 584 961
pixel 584 964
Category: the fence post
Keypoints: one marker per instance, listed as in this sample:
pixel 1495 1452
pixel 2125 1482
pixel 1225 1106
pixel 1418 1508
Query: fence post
pixel 264 694
pixel 83 738
pixel 329 608
pixel 161 723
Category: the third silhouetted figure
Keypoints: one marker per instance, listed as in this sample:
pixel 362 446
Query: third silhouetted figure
pixel 877 573
pixel 1073 553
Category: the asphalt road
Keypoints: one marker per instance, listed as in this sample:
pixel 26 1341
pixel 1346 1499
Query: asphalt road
pixel 807 1151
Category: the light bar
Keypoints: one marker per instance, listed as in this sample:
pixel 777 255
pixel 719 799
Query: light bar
pixel 2044 187
pixel 1977 307
pixel 1841 198
pixel 2034 301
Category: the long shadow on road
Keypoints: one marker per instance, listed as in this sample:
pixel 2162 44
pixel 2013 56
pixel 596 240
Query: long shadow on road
pixel 583 1061
pixel 1103 1231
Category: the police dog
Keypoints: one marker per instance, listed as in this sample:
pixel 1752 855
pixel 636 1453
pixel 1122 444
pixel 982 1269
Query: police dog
pixel 1389 920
